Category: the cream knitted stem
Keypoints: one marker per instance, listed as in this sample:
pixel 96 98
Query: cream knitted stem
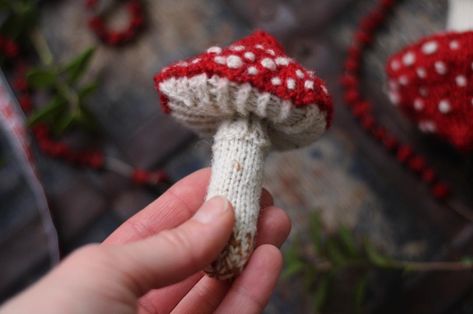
pixel 237 171
pixel 460 15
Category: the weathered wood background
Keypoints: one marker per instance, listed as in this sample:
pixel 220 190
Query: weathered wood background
pixel 345 175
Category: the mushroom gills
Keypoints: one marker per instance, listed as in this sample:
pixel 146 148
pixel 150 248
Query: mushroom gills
pixel 239 149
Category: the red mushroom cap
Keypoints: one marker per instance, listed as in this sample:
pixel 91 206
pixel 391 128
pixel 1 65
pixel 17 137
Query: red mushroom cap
pixel 257 69
pixel 432 82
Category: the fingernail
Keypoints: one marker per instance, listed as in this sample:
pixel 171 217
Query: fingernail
pixel 212 209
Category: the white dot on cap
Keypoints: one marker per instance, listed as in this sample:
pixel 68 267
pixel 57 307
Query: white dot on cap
pixel 395 65
pixel 259 46
pixel 409 58
pixel 454 45
pixel 299 73
pixel 440 67
pixel 461 80
pixel 276 81
pixel 403 80
pixel 393 85
pixel 252 70
pixel 324 89
pixel 182 64
pixel 309 84
pixel 220 60
pixel 394 98
pixel 291 83
pixel 249 56
pixel 214 49
pixel 418 104
pixel 268 64
pixel 234 62
pixel 282 61
pixel 237 48
pixel 197 60
pixel 271 52
pixel 421 72
pixel 430 47
pixel 444 106
pixel 427 126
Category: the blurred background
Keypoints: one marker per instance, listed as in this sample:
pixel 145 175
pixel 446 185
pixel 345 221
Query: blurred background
pixel 368 236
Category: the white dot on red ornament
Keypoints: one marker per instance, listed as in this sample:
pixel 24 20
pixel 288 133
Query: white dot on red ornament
pixel 268 64
pixel 249 56
pixel 403 80
pixel 440 67
pixel 421 72
pixel 237 48
pixel 393 85
pixel 461 80
pixel 427 126
pixel 299 74
pixel 454 45
pixel 309 84
pixel 429 47
pixel 409 58
pixel 324 89
pixel 282 61
pixel 444 106
pixel 290 83
pixel 259 46
pixel 214 49
pixel 395 65
pixel 394 98
pixel 197 60
pixel 252 70
pixel 271 52
pixel 276 81
pixel 234 62
pixel 220 60
pixel 418 104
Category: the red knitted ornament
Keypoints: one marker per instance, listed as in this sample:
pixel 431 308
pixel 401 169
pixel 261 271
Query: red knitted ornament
pixel 431 81
pixel 254 60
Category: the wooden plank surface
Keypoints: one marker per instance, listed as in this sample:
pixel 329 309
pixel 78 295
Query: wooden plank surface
pixel 345 176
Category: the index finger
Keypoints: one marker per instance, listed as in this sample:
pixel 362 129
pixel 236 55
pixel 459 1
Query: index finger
pixel 171 209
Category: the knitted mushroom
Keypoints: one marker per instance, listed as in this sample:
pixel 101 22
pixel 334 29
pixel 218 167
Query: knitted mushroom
pixel 432 80
pixel 250 97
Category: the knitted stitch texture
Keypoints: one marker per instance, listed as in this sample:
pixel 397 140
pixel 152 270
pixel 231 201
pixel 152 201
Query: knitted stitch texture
pixel 432 82
pixel 238 156
pixel 251 96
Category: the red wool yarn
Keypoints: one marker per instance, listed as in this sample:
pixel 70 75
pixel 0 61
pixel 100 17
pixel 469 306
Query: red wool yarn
pixel 362 109
pixel 431 82
pixel 253 60
pixel 116 38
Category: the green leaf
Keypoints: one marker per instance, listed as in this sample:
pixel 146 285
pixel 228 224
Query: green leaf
pixel 348 241
pixel 322 292
pixel 467 261
pixel 41 78
pixel 292 269
pixel 360 293
pixel 375 257
pixel 53 107
pixel 88 90
pixel 64 123
pixel 77 66
pixel 334 253
pixel 316 231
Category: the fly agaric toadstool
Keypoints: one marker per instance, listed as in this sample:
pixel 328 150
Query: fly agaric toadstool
pixel 432 80
pixel 249 96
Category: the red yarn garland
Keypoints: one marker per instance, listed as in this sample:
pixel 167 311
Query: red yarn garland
pixel 93 159
pixel 115 38
pixel 362 109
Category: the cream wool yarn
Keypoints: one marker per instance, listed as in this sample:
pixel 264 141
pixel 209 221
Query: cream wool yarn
pixel 250 97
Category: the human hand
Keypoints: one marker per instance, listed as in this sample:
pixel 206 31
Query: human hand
pixel 153 262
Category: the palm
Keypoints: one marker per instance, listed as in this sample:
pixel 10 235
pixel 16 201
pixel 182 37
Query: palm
pixel 199 293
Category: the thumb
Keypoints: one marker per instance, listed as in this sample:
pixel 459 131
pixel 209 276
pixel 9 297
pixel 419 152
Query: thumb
pixel 173 255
